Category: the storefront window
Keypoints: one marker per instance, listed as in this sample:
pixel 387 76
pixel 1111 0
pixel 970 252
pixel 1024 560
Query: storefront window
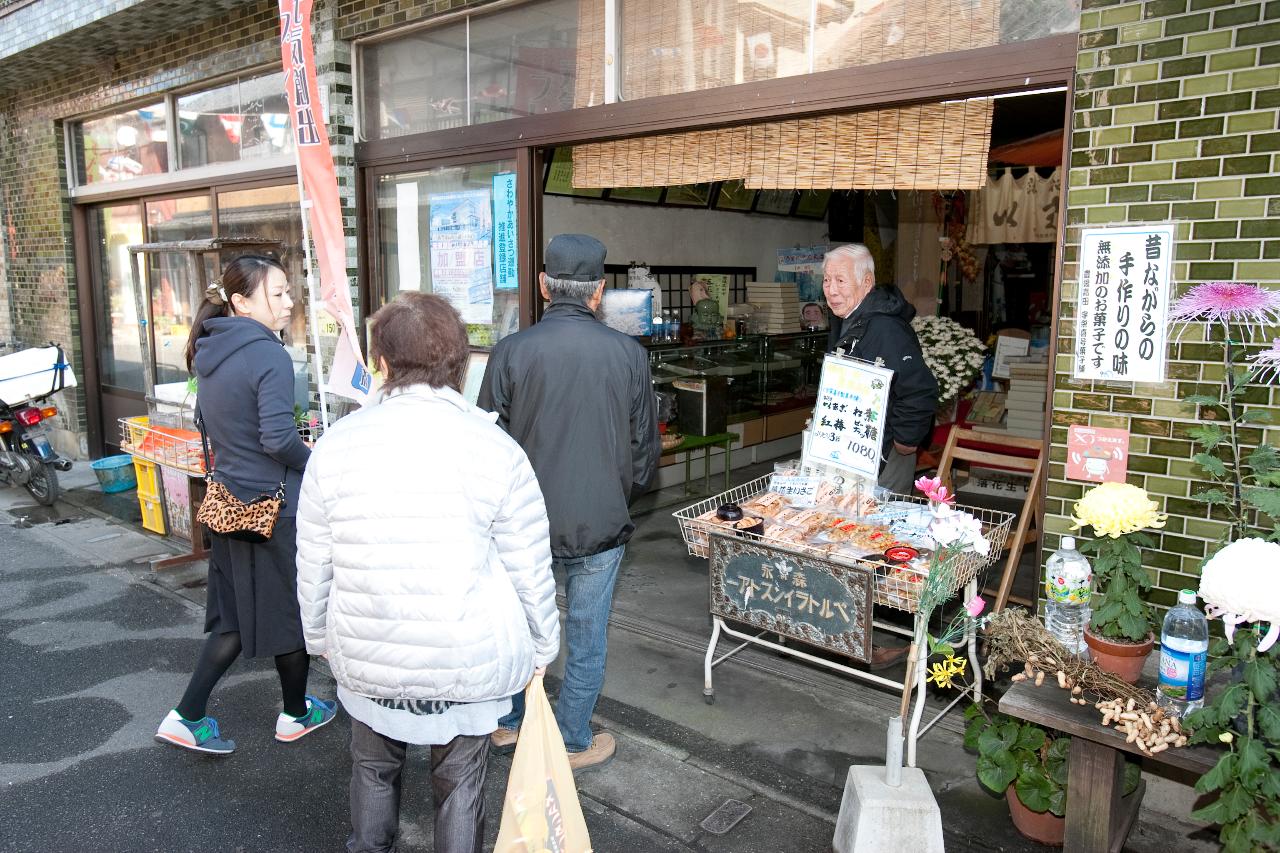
pixel 115 229
pixel 124 146
pixel 271 213
pixel 244 120
pixel 174 289
pixel 669 46
pixel 518 62
pixel 451 231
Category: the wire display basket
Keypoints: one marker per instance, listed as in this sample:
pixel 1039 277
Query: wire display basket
pixel 173 447
pixel 896 585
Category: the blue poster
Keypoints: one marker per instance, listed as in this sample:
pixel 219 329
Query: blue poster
pixel 461 242
pixel 505 252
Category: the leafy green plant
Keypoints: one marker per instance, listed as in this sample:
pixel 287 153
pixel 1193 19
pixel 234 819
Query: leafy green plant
pixel 1245 716
pixel 1122 612
pixel 1031 759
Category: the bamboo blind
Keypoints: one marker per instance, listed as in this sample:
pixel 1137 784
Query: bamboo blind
pixel 924 147
pixel 589 83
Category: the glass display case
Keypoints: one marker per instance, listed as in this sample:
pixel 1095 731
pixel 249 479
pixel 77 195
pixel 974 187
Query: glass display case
pixel 765 374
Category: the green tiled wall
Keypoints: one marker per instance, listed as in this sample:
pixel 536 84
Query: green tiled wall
pixel 1176 119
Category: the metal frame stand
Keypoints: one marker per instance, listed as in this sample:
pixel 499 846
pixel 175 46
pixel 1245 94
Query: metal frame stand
pixel 916 679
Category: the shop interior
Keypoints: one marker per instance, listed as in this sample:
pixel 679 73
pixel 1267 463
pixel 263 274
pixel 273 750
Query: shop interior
pixel 721 241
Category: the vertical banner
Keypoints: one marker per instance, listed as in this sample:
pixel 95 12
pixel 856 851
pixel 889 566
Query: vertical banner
pixel 347 375
pixel 505 253
pixel 1123 301
pixel 848 420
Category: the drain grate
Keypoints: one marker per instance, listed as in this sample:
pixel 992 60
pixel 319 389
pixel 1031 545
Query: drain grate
pixel 725 817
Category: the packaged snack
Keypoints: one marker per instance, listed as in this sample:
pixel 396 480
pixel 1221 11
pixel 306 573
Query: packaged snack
pixel 766 505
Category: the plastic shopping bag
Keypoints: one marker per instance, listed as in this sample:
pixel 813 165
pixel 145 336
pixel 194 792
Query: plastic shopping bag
pixel 541 813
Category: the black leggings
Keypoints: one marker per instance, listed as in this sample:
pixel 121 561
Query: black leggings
pixel 219 652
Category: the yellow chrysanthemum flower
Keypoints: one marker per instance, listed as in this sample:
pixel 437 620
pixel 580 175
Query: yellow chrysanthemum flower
pixel 955 665
pixel 940 675
pixel 1117 509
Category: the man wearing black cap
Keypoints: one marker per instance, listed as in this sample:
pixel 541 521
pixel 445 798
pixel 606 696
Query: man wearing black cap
pixel 579 399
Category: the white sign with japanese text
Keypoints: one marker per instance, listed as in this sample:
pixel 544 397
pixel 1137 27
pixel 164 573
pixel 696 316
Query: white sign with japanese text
pixel 800 490
pixel 1122 304
pixel 848 421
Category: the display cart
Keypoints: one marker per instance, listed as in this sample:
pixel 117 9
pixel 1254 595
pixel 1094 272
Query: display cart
pixel 166 437
pixel 801 592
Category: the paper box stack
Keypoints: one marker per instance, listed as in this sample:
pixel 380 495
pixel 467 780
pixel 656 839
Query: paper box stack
pixel 1026 402
pixel 777 305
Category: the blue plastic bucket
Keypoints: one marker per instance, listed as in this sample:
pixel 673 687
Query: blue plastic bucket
pixel 115 473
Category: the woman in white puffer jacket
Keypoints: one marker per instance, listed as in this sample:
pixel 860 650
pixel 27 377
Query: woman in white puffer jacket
pixel 424 576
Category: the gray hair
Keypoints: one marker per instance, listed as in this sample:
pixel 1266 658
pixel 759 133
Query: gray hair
pixel 567 288
pixel 856 254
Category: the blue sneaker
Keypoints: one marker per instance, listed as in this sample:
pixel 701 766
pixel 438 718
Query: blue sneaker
pixel 201 736
pixel 319 713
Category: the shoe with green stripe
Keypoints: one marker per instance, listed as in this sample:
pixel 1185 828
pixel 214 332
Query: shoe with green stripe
pixel 319 713
pixel 201 736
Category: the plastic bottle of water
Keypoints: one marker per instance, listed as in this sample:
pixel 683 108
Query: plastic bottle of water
pixel 1068 587
pixel 1184 645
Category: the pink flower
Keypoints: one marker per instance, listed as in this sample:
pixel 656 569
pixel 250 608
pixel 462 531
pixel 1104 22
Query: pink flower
pixel 975 606
pixel 934 490
pixel 1267 363
pixel 1228 302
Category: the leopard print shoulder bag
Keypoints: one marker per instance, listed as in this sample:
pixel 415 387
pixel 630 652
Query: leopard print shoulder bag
pixel 225 514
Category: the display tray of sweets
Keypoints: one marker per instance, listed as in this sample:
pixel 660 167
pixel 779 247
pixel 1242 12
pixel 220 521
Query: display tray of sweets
pixel 886 534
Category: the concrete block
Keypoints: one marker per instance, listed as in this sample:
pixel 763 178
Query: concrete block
pixel 875 817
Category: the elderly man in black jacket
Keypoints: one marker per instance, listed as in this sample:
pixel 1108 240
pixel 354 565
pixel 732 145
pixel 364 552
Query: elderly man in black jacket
pixel 579 399
pixel 875 323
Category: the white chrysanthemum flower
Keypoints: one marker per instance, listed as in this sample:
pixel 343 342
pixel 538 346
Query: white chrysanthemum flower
pixel 1241 583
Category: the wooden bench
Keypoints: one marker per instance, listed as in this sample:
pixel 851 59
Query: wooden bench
pixel 1096 817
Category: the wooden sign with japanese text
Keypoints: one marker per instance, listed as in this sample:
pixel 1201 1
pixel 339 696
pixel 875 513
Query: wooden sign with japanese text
pixel 1122 302
pixel 848 421
pixel 819 603
pixel 1097 454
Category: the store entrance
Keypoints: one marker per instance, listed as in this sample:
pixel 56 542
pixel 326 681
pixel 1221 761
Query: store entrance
pixel 723 286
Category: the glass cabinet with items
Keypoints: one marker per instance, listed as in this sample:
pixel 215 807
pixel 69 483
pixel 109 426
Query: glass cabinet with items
pixel 738 381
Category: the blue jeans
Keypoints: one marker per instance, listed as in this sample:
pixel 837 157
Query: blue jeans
pixel 589 588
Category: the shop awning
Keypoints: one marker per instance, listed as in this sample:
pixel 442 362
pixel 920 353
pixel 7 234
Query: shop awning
pixel 923 147
pixel 1044 149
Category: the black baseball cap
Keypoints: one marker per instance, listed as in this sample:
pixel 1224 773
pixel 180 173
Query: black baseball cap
pixel 575 257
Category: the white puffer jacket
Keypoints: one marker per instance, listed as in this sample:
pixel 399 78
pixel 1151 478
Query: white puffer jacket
pixel 424 565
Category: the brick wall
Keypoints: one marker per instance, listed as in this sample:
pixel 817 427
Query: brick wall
pixel 1176 109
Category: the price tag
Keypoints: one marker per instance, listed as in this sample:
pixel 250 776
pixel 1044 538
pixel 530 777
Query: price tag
pixel 799 490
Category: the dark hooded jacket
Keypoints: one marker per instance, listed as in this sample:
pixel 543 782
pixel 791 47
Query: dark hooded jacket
pixel 245 399
pixel 578 397
pixel 880 327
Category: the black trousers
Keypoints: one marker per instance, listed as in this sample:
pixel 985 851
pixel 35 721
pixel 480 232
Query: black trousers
pixel 457 783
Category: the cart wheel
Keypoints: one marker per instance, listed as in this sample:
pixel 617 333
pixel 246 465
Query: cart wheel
pixel 709 698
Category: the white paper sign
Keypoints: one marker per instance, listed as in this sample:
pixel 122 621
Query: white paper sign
pixel 1122 304
pixel 799 490
pixel 1006 348
pixel 848 421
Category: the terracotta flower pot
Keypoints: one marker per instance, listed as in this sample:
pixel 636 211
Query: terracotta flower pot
pixel 1044 827
pixel 1122 658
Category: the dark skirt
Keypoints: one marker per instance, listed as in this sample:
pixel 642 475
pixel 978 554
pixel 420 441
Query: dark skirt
pixel 253 589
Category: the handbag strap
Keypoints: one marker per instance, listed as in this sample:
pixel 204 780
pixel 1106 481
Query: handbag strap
pixel 208 460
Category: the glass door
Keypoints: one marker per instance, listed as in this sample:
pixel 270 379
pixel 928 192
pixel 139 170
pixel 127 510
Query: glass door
pixel 172 285
pixel 117 322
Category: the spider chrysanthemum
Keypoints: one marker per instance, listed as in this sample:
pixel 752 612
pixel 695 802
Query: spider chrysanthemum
pixel 1266 364
pixel 1228 303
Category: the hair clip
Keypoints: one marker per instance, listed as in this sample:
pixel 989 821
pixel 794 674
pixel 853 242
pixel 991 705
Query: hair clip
pixel 216 293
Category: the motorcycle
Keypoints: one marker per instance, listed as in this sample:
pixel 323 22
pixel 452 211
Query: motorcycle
pixel 26 457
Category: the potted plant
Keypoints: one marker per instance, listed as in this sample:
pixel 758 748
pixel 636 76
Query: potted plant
pixel 1029 765
pixel 1119 633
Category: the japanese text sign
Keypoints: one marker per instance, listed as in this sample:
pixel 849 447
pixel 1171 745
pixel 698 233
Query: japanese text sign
pixel 799 489
pixel 1097 454
pixel 817 602
pixel 1122 303
pixel 505 254
pixel 848 420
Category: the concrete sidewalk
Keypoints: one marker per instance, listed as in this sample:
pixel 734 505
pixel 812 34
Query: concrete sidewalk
pixel 88 634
